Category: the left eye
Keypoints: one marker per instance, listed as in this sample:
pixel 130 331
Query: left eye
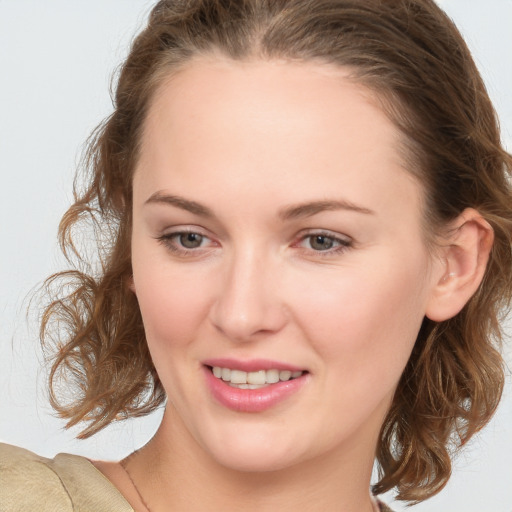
pixel 321 242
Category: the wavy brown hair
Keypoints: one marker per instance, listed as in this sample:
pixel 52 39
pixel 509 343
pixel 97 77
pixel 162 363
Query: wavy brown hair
pixel 410 54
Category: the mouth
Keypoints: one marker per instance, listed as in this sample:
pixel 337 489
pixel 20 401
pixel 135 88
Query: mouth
pixel 255 379
pixel 253 386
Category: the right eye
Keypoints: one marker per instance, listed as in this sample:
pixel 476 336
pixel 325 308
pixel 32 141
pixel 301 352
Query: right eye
pixel 184 242
pixel 189 240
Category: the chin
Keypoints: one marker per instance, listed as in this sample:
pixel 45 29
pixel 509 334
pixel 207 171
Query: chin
pixel 255 453
pixel 254 462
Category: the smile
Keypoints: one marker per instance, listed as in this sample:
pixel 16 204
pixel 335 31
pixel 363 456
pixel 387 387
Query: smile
pixel 253 386
pixel 253 380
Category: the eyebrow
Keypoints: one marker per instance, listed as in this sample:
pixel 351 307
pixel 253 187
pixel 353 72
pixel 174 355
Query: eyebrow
pixel 180 202
pixel 314 207
pixel 289 213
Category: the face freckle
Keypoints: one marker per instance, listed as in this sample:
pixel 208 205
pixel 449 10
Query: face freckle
pixel 273 221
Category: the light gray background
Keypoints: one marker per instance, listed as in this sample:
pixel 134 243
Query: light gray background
pixel 56 58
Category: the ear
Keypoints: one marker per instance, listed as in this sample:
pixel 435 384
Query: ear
pixel 462 265
pixel 131 284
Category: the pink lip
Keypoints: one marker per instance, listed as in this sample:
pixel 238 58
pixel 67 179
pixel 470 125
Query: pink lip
pixel 252 365
pixel 252 400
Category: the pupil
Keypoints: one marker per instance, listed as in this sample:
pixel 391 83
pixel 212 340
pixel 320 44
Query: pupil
pixel 190 240
pixel 321 243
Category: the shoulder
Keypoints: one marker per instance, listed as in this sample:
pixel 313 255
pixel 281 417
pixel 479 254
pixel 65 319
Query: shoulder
pixel 65 483
pixel 28 483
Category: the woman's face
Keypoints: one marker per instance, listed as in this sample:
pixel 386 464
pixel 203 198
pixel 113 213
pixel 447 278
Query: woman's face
pixel 276 236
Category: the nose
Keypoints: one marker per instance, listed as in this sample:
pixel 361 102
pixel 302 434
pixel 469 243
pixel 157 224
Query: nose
pixel 249 302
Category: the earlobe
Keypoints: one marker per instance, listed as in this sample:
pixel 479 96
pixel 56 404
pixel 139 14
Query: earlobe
pixel 463 265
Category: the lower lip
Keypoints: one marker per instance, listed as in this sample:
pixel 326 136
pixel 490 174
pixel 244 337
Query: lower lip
pixel 252 400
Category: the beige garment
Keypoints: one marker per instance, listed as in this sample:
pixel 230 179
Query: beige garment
pixel 66 483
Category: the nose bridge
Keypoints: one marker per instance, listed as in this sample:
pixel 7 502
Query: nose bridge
pixel 248 301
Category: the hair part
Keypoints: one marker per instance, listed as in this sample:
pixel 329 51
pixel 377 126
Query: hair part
pixel 407 52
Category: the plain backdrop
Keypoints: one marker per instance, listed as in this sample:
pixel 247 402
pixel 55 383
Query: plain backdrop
pixel 56 60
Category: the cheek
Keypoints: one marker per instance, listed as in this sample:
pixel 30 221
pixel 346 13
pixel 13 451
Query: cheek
pixel 172 302
pixel 366 322
pixel 172 309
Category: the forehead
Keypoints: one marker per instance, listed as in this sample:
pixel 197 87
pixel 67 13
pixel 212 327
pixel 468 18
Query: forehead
pixel 289 125
pixel 273 96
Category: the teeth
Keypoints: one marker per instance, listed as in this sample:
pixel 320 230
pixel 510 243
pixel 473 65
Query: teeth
pixel 246 386
pixel 285 375
pixel 256 377
pixel 253 380
pixel 272 376
pixel 238 377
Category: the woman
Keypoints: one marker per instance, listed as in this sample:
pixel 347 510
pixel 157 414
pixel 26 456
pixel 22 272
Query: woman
pixel 306 243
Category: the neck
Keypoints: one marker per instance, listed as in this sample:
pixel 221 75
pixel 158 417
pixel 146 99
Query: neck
pixel 172 473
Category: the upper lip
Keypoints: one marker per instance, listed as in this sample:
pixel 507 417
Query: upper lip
pixel 251 365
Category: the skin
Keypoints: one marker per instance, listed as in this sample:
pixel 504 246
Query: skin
pixel 248 142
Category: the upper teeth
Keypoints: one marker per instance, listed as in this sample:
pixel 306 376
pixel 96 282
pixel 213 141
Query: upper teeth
pixel 253 380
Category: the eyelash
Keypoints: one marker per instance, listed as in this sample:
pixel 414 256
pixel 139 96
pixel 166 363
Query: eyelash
pixel 343 244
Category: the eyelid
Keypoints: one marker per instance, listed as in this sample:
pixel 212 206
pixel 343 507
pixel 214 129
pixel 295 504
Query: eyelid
pixel 324 232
